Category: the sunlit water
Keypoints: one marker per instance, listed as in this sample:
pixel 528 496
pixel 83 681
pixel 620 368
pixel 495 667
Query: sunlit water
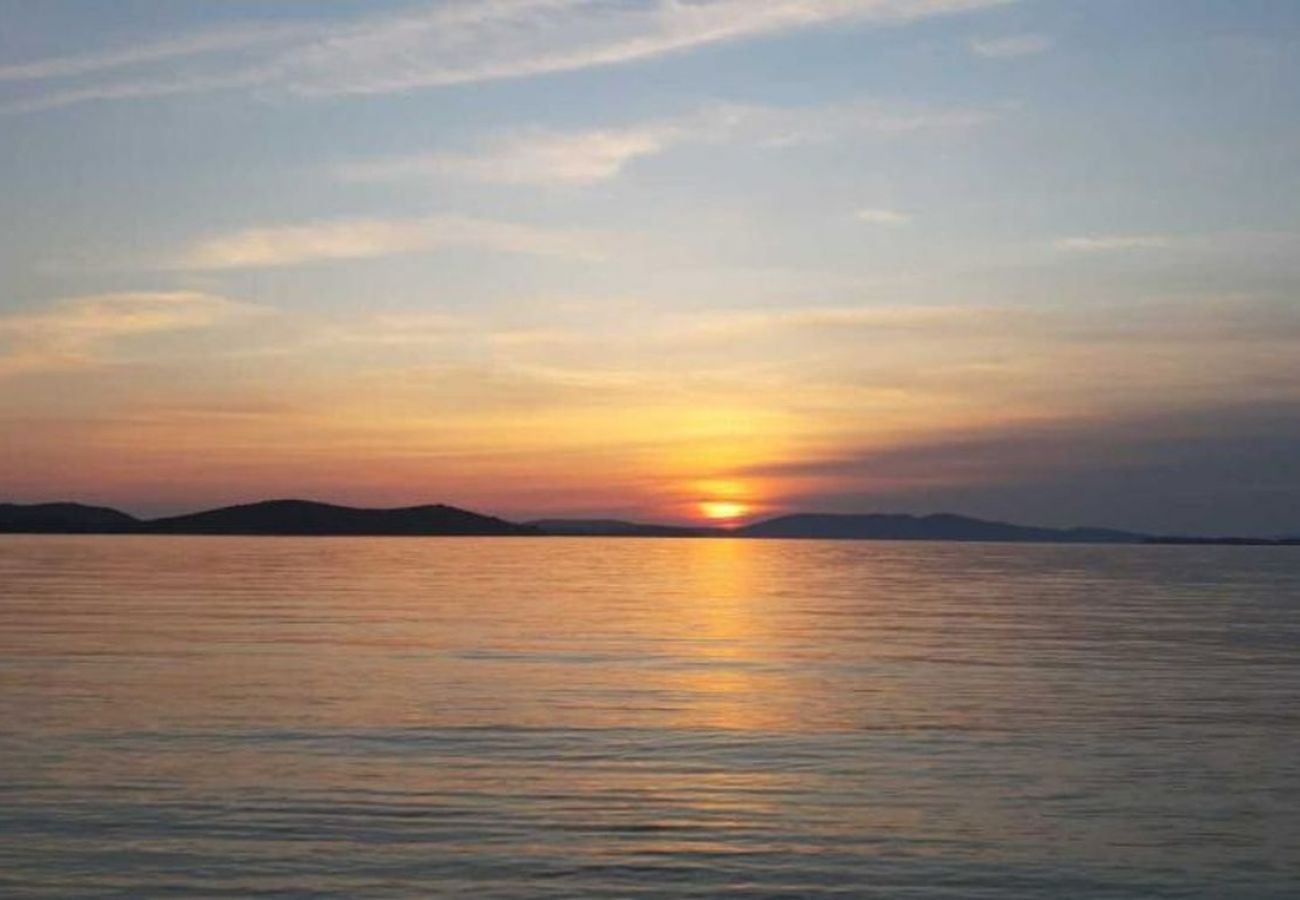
pixel 576 718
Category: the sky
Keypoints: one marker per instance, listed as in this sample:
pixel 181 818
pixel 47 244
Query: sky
pixel 1035 260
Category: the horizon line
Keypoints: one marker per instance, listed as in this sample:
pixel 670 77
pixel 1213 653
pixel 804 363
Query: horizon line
pixel 706 527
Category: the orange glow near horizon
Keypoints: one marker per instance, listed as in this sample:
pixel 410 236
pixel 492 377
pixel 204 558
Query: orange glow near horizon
pixel 723 510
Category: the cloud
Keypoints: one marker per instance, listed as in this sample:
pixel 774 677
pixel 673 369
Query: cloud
pixel 973 364
pixel 337 239
pixel 1212 321
pixel 219 59
pixel 539 157
pixel 1012 46
pixel 1212 469
pixel 78 331
pixel 543 157
pixel 1168 321
pixel 1103 243
pixel 458 42
pixel 127 90
pixel 214 41
pixel 882 217
pixel 513 38
pixel 779 127
pixel 844 319
pixel 421 330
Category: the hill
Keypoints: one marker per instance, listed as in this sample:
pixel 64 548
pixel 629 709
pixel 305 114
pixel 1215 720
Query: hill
pixel 63 518
pixel 1225 541
pixel 943 527
pixel 303 517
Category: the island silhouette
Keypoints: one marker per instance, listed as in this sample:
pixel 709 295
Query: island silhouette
pixel 313 518
pixel 268 517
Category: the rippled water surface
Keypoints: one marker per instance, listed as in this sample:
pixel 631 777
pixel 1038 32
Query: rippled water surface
pixel 642 718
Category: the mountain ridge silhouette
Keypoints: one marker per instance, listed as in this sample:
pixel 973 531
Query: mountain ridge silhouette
pixel 938 526
pixel 316 518
pixel 309 517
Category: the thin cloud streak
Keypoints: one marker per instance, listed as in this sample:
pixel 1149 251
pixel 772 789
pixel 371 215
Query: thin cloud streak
pixel 131 90
pixel 1013 46
pixel 538 158
pixel 579 158
pixel 515 38
pixel 844 319
pixel 340 239
pixel 1200 469
pixel 215 41
pixel 1103 243
pixel 457 43
pixel 879 216
pixel 77 331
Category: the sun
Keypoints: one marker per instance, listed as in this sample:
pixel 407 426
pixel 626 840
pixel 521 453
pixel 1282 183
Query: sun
pixel 722 510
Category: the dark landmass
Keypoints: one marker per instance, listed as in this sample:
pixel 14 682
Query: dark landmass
pixel 64 518
pixel 619 528
pixel 943 527
pixel 304 518
pixel 1225 541
pixel 271 517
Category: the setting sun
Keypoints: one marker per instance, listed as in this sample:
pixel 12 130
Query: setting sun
pixel 722 510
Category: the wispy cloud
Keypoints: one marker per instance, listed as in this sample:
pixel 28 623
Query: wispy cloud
pixel 218 59
pixel 423 330
pixel 537 157
pixel 1012 46
pixel 880 216
pixel 452 43
pixel 1203 468
pixel 784 127
pixel 128 90
pixel 844 319
pixel 78 331
pixel 544 157
pixel 223 40
pixel 337 239
pixel 1103 243
pixel 512 38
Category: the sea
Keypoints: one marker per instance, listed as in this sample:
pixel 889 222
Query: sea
pixel 639 718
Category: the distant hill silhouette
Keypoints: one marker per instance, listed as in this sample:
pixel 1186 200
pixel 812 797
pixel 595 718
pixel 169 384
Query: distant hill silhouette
pixel 303 517
pixel 942 527
pixel 618 528
pixel 1226 541
pixel 66 518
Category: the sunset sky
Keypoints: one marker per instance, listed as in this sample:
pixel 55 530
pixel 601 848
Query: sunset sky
pixel 1036 260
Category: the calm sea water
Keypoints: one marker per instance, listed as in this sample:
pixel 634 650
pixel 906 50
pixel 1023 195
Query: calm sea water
pixel 636 718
